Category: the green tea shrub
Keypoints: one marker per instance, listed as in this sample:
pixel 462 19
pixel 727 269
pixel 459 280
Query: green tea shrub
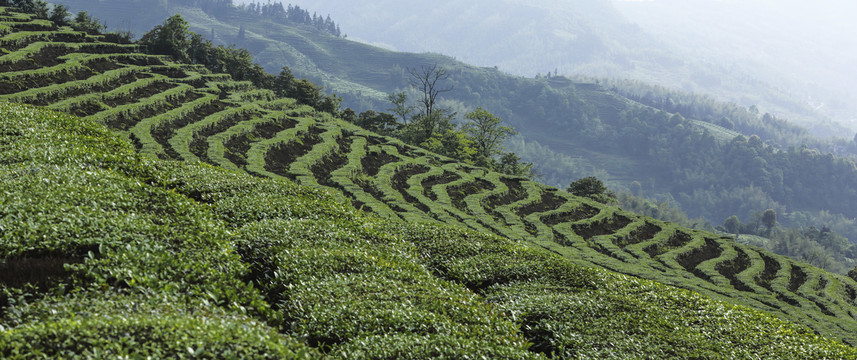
pixel 338 280
pixel 139 326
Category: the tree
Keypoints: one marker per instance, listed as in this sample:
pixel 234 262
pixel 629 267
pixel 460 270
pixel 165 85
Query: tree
pixel 382 123
pixel 853 273
pixel 242 34
pixel 38 7
pixel 426 81
pixel 511 164
pixel 732 224
pixel 592 188
pixel 170 38
pixel 769 218
pixel 636 188
pixel 84 22
pixel 423 127
pixel 487 133
pixel 60 15
pixel 284 83
pixel 400 106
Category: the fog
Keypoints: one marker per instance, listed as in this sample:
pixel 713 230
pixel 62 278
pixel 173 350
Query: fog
pixel 798 45
pixel 770 53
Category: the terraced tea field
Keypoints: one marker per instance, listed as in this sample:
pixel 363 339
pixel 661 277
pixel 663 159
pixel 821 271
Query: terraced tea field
pixel 183 112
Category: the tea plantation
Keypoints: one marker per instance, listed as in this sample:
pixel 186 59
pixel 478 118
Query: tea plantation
pixel 247 247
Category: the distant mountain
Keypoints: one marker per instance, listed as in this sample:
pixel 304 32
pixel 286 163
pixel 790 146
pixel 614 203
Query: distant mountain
pixel 592 37
pixel 805 48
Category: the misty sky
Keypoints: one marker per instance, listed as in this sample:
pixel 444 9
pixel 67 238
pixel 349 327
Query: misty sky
pixel 817 36
pixel 805 46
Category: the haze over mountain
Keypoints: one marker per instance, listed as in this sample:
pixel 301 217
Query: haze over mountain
pixel 806 47
pixel 790 59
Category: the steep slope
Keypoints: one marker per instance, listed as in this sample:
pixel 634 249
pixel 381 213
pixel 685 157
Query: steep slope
pixel 177 111
pixel 625 142
pixel 108 253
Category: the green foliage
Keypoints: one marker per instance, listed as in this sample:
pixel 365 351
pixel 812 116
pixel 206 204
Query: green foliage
pixel 381 123
pixel 510 163
pixel 486 131
pixel 99 325
pixel 170 38
pixel 853 273
pixel 592 188
pixel 59 15
pixel 769 218
pixel 732 224
pixel 39 8
pixel 84 22
pixel 400 105
pixel 576 316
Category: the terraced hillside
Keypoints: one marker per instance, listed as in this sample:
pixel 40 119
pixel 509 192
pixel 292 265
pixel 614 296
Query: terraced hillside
pixel 183 112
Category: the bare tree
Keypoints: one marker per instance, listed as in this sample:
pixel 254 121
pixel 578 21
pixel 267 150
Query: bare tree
pixel 426 79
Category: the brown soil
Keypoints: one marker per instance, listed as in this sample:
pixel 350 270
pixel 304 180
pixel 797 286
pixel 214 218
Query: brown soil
pixel 330 163
pixel 43 80
pixel 601 227
pixel 47 99
pixel 733 267
pixel 400 184
pixel 797 278
pixel 40 271
pixel 579 213
pixel 516 193
pixel 237 146
pixel 445 178
pixel 139 93
pixel 638 235
pixel 169 71
pixel 676 240
pixel 548 202
pixel 162 133
pixel 769 273
pixel 458 193
pixel 86 108
pixel 127 120
pixel 280 157
pixel 199 145
pixel 373 161
pixel 690 260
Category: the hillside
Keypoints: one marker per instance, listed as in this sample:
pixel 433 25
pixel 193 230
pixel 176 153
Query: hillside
pixel 130 224
pixel 623 132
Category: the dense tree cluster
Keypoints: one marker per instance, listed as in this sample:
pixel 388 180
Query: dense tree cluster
pixel 294 14
pixel 592 188
pixel 174 38
pixel 276 11
pixel 477 141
